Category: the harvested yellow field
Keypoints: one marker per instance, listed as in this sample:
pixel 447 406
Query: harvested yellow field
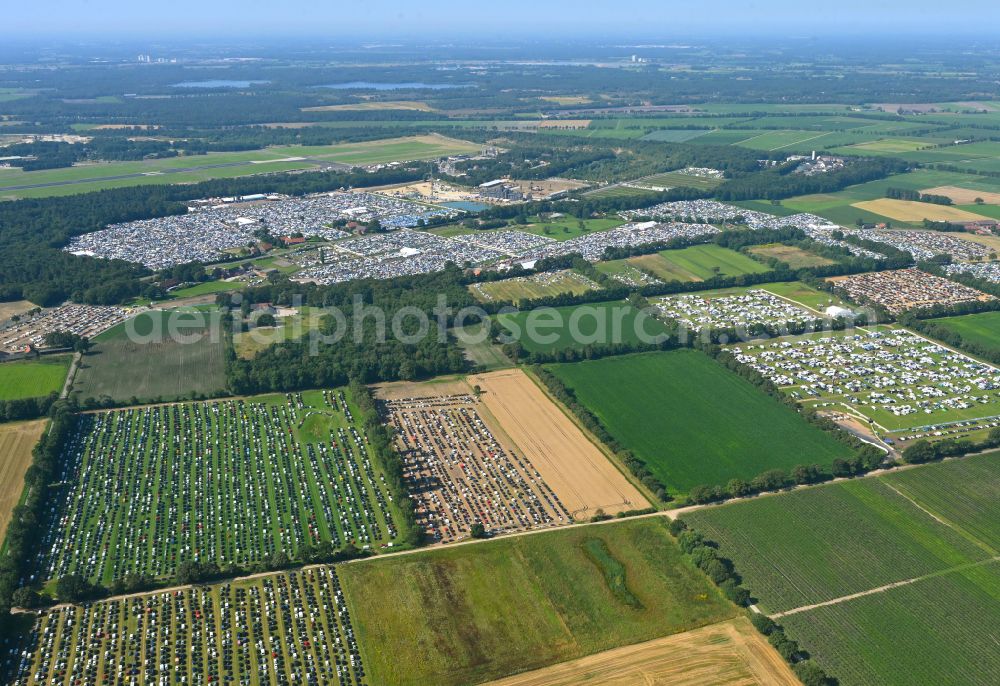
pixel 374 105
pixel 576 469
pixel 16 442
pixel 729 653
pixel 564 124
pixel 964 196
pixel 912 211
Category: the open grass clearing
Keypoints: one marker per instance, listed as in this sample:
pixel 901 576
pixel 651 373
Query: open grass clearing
pixel 474 340
pixel 982 328
pixel 541 285
pixel 680 180
pixel 696 263
pixel 575 327
pixel 794 257
pixel 33 378
pixel 186 169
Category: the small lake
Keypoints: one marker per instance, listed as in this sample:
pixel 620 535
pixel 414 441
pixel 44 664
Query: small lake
pixel 217 83
pixel 383 86
pixel 464 205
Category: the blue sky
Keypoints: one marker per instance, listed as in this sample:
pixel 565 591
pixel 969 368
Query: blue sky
pixel 495 20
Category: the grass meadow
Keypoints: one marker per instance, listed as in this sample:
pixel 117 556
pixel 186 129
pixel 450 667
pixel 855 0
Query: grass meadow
pixel 603 323
pixel 94 176
pixel 696 263
pixel 692 421
pixel 33 378
pixel 982 328
pixel 469 614
pixel 795 258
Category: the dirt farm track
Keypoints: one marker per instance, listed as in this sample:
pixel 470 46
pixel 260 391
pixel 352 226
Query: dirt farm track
pixel 730 653
pixel 573 466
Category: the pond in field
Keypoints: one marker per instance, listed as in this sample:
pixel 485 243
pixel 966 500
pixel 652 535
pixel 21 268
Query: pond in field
pixel 218 83
pixel 383 86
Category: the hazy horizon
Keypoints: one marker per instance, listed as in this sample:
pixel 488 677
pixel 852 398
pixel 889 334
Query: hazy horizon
pixel 395 20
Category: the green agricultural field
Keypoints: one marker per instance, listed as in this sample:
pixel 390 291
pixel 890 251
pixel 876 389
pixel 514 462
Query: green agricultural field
pixel 208 287
pixel 693 421
pixel 154 366
pixel 33 378
pixel 474 613
pixel 838 207
pixel 982 328
pixel 187 169
pixel 616 191
pixel 680 180
pixel 778 140
pixel 674 135
pixel 576 326
pixel 991 211
pixel 727 136
pixel 889 146
pixel 804 294
pixel 937 631
pixel 935 527
pixel 231 482
pixel 696 263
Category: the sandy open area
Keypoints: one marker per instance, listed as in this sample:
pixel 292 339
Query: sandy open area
pixel 564 124
pixel 963 196
pixel 14 307
pixel 575 468
pixel 730 653
pixel 374 105
pixel 16 443
pixel 542 187
pixel 439 191
pixel 444 385
pixel 912 211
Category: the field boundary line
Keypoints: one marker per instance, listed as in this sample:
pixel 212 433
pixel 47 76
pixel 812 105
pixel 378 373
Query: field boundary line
pixel 882 589
pixel 941 520
pixel 603 449
pixel 788 145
